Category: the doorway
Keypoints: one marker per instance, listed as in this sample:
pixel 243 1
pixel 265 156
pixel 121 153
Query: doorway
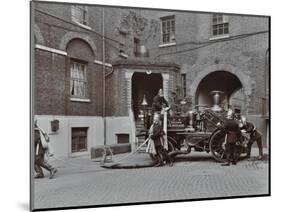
pixel 147 85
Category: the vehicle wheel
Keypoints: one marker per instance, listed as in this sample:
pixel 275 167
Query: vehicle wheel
pixel 170 145
pixel 216 145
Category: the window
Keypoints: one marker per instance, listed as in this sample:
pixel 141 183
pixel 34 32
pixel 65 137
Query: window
pixel 122 138
pixel 136 47
pixel 80 14
pixel 220 25
pixel 168 29
pixel 183 81
pixel 78 79
pixel 79 139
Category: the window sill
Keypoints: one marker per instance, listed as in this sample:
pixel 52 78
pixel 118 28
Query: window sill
pixel 82 25
pixel 219 37
pixel 78 154
pixel 167 44
pixel 73 99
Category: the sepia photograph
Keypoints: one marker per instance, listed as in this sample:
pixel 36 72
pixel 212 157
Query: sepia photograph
pixel 137 105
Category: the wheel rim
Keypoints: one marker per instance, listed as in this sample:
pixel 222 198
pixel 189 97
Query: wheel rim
pixel 216 148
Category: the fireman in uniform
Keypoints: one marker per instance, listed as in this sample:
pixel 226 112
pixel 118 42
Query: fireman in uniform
pixel 156 134
pixel 159 102
pixel 231 143
pixel 255 135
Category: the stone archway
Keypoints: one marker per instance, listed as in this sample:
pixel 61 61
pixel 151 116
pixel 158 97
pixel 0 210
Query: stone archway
pixel 246 81
pixel 72 35
pixel 223 81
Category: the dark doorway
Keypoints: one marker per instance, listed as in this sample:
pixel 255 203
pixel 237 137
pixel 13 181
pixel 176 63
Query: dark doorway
pixel 147 85
pixel 219 80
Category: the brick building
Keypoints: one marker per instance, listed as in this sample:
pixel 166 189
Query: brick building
pixel 140 51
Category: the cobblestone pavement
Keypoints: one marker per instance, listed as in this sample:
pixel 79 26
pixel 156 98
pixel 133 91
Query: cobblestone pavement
pixel 81 181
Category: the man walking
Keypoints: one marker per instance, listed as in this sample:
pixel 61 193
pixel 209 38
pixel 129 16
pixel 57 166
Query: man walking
pixel 41 140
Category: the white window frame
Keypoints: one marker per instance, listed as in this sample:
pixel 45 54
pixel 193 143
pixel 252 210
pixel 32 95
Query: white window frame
pixel 171 31
pixel 76 77
pixel 219 22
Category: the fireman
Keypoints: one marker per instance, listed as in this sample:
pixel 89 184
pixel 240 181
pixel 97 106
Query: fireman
pixel 255 135
pixel 231 143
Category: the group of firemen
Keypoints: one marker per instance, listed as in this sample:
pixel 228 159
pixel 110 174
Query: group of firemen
pixel 235 127
pixel 158 146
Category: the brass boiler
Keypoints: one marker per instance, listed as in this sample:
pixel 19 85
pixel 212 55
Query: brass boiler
pixel 190 121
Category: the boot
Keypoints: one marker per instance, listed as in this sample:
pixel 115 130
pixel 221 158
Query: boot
pixel 52 173
pixel 226 164
pixel 260 157
pixel 38 176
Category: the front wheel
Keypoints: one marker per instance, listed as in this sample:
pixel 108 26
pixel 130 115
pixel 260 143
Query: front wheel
pixel 216 145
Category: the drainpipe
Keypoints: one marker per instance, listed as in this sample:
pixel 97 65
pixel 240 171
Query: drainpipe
pixel 103 81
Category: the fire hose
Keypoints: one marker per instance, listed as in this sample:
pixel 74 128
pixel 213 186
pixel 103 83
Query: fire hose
pixel 130 154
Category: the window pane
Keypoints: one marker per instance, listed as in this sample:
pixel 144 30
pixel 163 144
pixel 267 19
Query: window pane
pixel 163 26
pixel 215 32
pixel 168 28
pixel 78 79
pixel 219 26
pixel 226 29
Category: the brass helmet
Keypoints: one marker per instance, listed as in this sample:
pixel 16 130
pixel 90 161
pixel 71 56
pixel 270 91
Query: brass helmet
pixel 243 120
pixel 160 92
pixel 230 114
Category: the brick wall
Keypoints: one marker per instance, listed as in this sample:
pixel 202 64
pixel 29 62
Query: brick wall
pixel 247 55
pixel 52 71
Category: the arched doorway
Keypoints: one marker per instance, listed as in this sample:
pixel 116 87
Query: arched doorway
pixel 223 81
pixel 147 85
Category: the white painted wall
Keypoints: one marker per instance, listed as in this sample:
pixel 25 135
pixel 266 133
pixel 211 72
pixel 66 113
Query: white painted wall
pixel 116 125
pixel 61 140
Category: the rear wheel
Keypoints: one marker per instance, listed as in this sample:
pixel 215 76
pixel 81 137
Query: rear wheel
pixel 216 145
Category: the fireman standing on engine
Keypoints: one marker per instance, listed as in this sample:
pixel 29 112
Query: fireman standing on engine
pixel 159 102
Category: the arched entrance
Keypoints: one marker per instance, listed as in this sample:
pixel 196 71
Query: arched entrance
pixel 147 85
pixel 223 81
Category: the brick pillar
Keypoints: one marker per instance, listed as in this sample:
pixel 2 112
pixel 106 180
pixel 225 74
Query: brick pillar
pixel 128 80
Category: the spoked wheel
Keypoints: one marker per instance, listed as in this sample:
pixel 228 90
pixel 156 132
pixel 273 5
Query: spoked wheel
pixel 170 149
pixel 216 145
